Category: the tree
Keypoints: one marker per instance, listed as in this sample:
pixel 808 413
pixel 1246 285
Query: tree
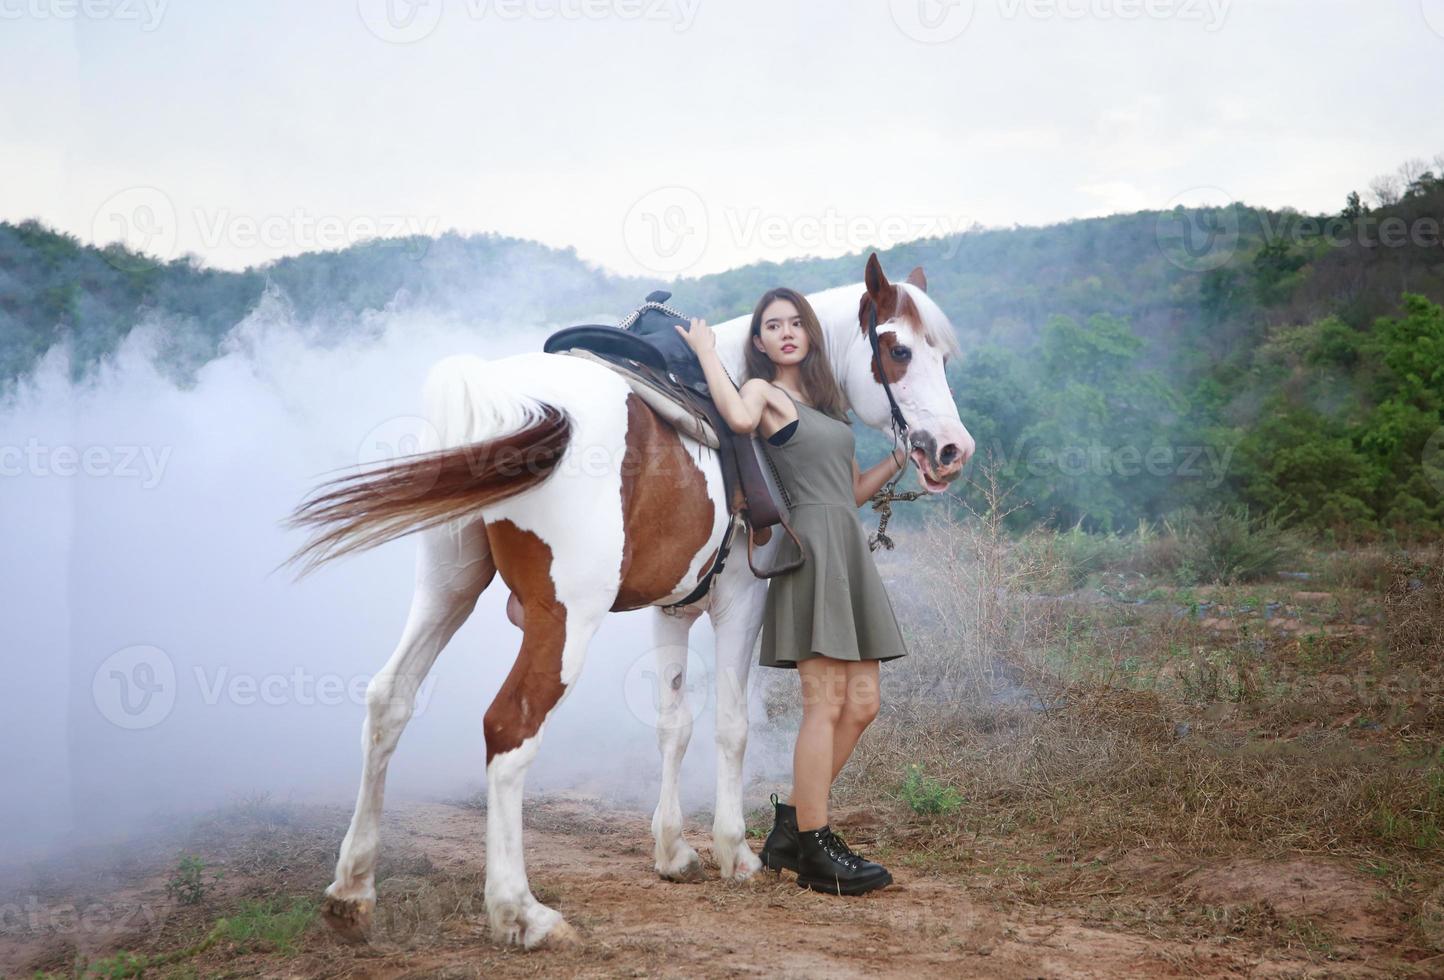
pixel 1386 190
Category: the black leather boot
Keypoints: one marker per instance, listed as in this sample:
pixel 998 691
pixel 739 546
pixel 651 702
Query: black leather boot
pixel 826 864
pixel 781 848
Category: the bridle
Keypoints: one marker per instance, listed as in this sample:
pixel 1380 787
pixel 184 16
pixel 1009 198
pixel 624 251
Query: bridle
pixel 899 424
pixel 882 500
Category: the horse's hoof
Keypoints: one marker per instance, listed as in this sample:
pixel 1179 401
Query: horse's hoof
pixel 349 918
pixel 744 865
pixel 561 936
pixel 690 873
pixel 542 928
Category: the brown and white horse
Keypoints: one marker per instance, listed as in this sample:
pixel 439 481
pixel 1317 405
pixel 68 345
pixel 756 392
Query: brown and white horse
pixel 550 470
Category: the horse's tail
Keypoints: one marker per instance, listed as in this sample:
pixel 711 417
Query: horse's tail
pixel 487 441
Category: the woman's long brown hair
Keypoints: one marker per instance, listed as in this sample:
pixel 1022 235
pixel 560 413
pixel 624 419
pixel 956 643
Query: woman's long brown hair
pixel 818 382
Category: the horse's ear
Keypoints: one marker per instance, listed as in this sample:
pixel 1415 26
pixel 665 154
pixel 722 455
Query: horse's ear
pixel 917 278
pixel 873 278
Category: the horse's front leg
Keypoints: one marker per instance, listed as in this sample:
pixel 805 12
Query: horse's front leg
pixel 736 619
pixel 675 860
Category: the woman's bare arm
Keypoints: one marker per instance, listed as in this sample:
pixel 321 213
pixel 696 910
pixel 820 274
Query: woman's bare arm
pixel 864 485
pixel 741 409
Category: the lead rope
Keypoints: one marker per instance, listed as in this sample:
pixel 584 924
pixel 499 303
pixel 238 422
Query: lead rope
pixel 882 503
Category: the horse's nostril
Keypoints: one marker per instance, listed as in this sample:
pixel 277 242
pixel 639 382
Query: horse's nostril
pixel 949 454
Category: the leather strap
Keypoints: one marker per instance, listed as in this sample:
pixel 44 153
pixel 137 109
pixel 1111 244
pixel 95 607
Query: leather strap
pixel 900 424
pixel 786 566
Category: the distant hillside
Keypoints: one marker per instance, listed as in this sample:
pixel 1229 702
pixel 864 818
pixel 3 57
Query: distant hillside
pixel 1272 339
pixel 52 288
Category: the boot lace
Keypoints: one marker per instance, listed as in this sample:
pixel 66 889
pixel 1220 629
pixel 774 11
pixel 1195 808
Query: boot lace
pixel 839 850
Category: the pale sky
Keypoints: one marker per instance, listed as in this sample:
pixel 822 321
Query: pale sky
pixel 690 136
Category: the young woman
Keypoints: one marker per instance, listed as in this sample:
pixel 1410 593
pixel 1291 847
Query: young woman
pixel 831 619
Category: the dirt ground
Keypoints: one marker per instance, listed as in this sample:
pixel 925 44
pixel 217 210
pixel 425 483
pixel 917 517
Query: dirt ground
pixel 593 862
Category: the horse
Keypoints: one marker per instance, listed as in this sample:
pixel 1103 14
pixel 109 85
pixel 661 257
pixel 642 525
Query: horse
pixel 549 470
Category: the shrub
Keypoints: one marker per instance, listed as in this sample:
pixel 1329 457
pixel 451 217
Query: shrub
pixel 1227 544
pixel 927 795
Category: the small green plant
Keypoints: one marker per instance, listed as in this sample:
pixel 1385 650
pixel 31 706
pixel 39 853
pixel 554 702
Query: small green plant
pixel 188 884
pixel 274 924
pixel 927 795
pixel 121 966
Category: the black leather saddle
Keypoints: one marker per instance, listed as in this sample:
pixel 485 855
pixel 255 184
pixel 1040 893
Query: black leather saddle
pixel 649 340
pixel 648 336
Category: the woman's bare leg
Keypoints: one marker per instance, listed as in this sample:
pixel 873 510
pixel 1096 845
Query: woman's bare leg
pixel 824 683
pixel 858 710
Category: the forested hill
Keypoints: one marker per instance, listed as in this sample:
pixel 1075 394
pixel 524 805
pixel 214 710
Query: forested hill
pixel 1282 343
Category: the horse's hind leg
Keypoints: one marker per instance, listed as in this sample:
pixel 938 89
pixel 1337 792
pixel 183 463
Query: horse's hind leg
pixel 559 624
pixel 675 858
pixel 452 568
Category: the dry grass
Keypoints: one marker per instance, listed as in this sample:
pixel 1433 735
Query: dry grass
pixel 1216 722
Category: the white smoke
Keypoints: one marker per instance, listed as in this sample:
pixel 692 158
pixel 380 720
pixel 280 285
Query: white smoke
pixel 157 665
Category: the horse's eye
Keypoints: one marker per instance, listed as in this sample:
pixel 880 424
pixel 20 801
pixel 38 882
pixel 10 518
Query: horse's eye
pixel 901 353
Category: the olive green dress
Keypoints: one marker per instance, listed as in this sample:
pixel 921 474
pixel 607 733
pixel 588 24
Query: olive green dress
pixel 835 604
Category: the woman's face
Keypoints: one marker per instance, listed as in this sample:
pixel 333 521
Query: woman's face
pixel 781 336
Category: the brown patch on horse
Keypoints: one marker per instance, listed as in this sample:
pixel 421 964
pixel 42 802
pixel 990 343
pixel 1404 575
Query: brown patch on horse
pixel 892 304
pixel 895 305
pixel 398 497
pixel 534 685
pixel 667 517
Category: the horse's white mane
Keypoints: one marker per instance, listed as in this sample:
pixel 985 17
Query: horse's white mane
pixel 936 325
pixel 841 306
